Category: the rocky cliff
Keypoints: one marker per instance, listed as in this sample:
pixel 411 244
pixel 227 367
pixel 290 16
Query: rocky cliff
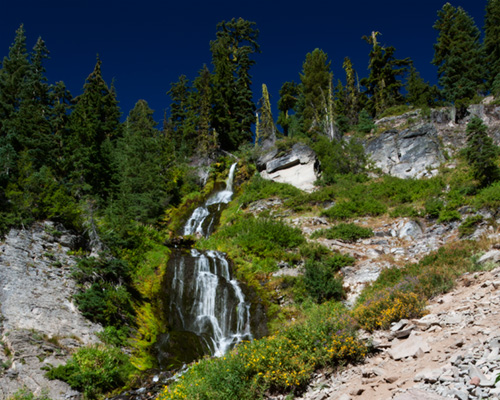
pixel 39 324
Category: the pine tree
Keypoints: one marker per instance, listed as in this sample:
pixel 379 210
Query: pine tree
pixel 12 83
pixel 492 44
pixel 316 102
pixel 458 55
pixel 481 153
pixel 289 93
pixel 266 134
pixel 233 112
pixel 383 85
pixel 420 93
pixel 352 93
pixel 93 125
pixel 181 118
pixel 141 166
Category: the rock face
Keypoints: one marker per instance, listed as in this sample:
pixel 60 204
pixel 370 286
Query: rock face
pixel 410 153
pixel 299 167
pixel 39 325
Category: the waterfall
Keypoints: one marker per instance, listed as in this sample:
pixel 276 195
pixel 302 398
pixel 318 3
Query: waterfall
pixel 202 219
pixel 204 298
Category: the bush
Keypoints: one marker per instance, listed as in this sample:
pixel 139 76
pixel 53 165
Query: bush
pixel 26 394
pixel 94 370
pixel 489 197
pixel 355 208
pixel 321 282
pixel 448 215
pixel 347 232
pixel 470 224
pixel 433 207
pixel 259 188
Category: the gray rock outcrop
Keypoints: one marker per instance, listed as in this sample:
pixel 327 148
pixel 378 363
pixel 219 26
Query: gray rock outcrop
pixel 40 325
pixel 410 153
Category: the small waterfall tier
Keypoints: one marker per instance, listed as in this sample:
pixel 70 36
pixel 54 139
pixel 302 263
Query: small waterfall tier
pixel 203 220
pixel 207 301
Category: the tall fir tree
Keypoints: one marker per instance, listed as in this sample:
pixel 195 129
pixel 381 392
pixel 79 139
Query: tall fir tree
pixel 316 97
pixel 420 93
pixel 492 45
pixel 93 125
pixel 266 134
pixel 181 118
pixel 352 95
pixel 289 95
pixel 383 85
pixel 12 88
pixel 458 55
pixel 232 51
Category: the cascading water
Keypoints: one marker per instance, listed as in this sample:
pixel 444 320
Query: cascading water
pixel 204 299
pixel 202 220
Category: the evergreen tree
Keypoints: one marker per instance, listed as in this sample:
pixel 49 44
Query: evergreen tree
pixel 233 112
pixel 201 103
pixel 351 96
pixel 94 123
pixel 12 84
pixel 492 44
pixel 316 100
pixel 420 93
pixel 481 153
pixel 383 85
pixel 266 132
pixel 181 123
pixel 458 55
pixel 141 166
pixel 289 93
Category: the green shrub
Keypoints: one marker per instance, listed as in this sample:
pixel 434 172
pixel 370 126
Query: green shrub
pixel 470 224
pixel 94 370
pixel 259 188
pixel 321 282
pixel 355 208
pixel 489 197
pixel 433 207
pixel 347 232
pixel 404 210
pixel 448 215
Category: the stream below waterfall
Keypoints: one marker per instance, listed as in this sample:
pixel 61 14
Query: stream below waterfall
pixel 207 310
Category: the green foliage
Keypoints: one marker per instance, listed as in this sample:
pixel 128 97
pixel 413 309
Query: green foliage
pixel 383 85
pixel 321 282
pixel 458 54
pixel 394 111
pixel 289 93
pixel 359 207
pixel 259 237
pixel 421 93
pixel 481 153
pixel 339 158
pixel 26 394
pixel 233 108
pixel 259 188
pixel 283 362
pixel 365 123
pixel 347 232
pixel 470 224
pixel 489 197
pixel 433 207
pixel 94 370
pixel 448 214
pixel 491 43
pixel 315 96
pixel 105 295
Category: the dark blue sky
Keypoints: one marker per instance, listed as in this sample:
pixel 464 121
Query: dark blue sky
pixel 145 45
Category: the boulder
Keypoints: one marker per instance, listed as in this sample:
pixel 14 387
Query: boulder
pixel 298 167
pixel 411 347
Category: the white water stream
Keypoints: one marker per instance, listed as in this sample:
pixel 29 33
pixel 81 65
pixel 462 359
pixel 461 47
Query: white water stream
pixel 207 300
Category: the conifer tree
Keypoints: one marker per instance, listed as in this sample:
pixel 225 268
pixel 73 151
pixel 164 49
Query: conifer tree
pixel 233 112
pixel 12 84
pixel 181 118
pixel 141 167
pixel 458 54
pixel 289 94
pixel 420 93
pixel 266 132
pixel 351 96
pixel 481 153
pixel 383 85
pixel 492 45
pixel 316 100
pixel 94 123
